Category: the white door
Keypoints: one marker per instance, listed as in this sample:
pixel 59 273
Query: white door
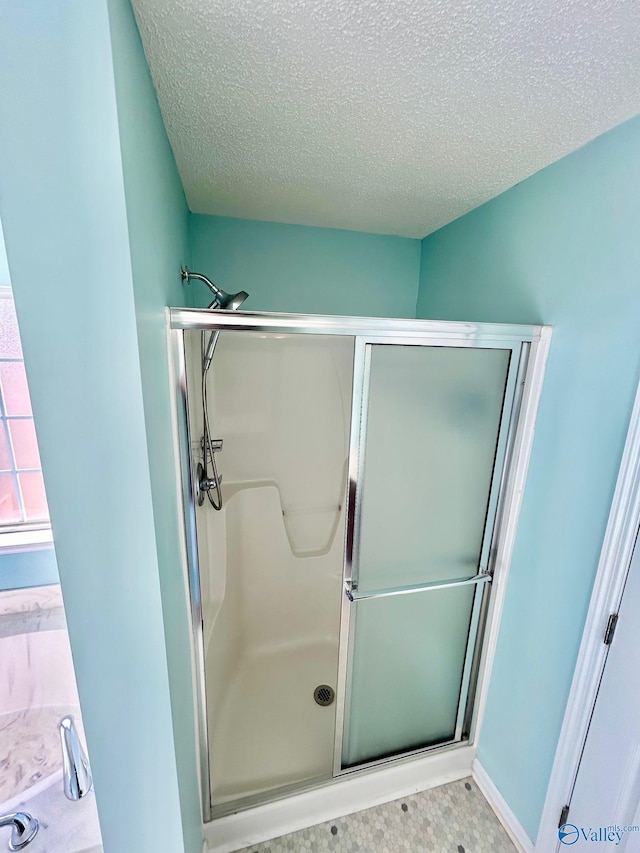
pixel 606 796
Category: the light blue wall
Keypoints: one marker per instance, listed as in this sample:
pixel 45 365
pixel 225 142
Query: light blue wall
pixel 562 247
pixel 157 217
pixel 294 268
pixel 65 221
pixel 22 568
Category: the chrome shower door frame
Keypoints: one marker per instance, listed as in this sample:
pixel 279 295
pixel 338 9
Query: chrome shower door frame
pixel 188 502
pixel 528 345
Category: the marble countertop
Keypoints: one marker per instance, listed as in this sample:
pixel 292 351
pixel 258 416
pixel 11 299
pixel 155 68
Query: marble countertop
pixel 23 611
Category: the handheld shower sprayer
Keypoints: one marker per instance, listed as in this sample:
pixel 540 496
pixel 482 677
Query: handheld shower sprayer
pixel 209 487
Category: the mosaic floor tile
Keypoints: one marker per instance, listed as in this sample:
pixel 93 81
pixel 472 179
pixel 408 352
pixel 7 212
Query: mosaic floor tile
pixel 453 818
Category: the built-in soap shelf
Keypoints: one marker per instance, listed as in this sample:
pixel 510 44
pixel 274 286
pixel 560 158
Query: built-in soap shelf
pixel 310 528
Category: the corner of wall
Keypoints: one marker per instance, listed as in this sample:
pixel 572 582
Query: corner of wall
pixel 421 285
pixel 157 217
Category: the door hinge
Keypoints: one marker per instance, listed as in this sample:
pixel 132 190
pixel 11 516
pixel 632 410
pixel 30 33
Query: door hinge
pixel 611 629
pixel 564 814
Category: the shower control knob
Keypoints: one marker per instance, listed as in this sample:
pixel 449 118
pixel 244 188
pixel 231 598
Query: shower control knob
pixel 204 484
pixel 207 484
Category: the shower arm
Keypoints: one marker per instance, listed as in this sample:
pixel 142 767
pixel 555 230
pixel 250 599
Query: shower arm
pixel 222 299
pixel 188 276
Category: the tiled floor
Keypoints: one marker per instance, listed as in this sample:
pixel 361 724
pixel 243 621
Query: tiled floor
pixel 453 818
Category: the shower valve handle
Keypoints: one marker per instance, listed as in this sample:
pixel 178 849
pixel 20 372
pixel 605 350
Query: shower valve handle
pixel 209 483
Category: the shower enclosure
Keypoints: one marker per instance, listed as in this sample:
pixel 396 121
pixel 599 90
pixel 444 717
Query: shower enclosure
pixel 341 596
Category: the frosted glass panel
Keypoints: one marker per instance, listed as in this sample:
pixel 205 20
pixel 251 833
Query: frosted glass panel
pixel 408 656
pixel 431 434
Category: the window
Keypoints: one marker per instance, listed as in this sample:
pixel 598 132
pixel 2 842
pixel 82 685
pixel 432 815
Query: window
pixel 23 504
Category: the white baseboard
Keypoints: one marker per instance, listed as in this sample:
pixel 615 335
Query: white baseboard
pixel 502 811
pixel 349 795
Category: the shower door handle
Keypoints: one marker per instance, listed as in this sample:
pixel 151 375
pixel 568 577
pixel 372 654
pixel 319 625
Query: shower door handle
pixel 353 595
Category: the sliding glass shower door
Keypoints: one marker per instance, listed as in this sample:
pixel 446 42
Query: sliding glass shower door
pixel 426 460
pixel 340 596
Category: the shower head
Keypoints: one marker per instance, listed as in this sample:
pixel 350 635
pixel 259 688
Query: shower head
pixel 231 301
pixel 222 299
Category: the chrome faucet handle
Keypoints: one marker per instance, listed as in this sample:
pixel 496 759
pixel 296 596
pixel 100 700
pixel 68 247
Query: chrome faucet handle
pixel 76 772
pixel 24 829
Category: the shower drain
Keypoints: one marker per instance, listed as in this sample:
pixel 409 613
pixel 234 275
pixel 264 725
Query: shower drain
pixel 324 695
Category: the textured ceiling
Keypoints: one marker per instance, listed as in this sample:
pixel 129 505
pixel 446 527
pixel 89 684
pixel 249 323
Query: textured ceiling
pixel 392 116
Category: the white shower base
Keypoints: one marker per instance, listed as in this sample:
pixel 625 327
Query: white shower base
pixel 270 732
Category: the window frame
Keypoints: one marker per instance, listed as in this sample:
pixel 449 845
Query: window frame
pixel 19 534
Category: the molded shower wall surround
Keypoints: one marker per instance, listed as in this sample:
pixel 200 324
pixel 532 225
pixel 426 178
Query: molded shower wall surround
pixel 562 248
pixel 95 228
